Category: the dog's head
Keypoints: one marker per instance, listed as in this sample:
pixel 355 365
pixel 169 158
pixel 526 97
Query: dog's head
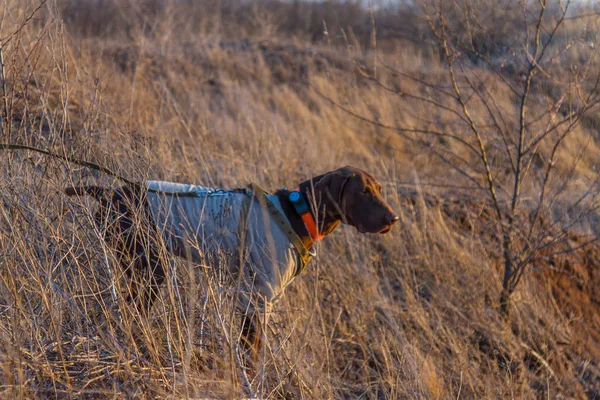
pixel 356 197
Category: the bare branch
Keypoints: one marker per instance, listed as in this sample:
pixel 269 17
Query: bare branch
pixel 4 41
pixel 437 88
pixel 482 152
pixel 402 131
pixel 492 115
pixel 415 97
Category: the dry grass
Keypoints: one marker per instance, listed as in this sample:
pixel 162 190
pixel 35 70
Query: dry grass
pixel 176 91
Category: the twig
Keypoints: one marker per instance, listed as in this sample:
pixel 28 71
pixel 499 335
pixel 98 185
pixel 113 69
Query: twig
pixel 4 96
pixel 4 41
pixel 403 131
pixel 3 76
pixel 540 359
pixel 482 152
pixel 7 146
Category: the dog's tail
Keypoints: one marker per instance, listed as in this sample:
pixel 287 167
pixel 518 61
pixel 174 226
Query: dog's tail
pixel 97 192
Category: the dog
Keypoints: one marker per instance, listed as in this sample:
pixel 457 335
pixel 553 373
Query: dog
pixel 264 241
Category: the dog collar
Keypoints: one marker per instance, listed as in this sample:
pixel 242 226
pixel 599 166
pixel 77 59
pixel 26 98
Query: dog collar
pixel 301 207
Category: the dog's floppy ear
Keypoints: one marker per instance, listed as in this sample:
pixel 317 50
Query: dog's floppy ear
pixel 332 185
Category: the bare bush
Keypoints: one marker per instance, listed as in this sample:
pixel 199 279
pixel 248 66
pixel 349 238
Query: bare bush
pixel 527 155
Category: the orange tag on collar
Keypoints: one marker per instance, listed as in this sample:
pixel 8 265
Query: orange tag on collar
pixel 311 226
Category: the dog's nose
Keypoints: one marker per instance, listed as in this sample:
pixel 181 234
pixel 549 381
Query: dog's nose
pixel 392 218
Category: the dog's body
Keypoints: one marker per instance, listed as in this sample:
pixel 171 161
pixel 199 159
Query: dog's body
pixel 233 229
pixel 211 226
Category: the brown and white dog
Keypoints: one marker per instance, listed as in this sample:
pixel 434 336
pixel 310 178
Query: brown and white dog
pixel 137 219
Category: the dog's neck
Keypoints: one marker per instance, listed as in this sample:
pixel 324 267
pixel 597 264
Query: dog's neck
pixel 327 217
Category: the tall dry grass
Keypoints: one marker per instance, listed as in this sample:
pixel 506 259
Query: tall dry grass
pixel 205 93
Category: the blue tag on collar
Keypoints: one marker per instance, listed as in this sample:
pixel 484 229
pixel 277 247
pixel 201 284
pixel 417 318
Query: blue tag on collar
pixel 298 202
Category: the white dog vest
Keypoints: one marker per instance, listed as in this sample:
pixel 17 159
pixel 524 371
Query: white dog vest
pixel 211 226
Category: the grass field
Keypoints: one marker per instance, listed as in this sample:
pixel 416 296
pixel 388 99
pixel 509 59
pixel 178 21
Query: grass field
pixel 224 93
